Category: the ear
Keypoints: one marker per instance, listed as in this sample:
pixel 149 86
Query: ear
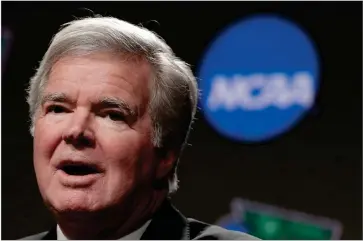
pixel 165 165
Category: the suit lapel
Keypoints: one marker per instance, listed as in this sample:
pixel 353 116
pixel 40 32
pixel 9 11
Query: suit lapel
pixel 51 234
pixel 167 223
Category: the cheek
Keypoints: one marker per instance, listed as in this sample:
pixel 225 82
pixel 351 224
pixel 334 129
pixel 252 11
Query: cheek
pixel 46 138
pixel 128 154
pixel 121 150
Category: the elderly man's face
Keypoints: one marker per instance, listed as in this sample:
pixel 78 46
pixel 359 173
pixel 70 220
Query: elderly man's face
pixel 92 140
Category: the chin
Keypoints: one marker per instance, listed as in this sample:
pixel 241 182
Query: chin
pixel 75 201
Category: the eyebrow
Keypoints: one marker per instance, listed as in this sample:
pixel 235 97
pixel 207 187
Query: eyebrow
pixel 113 102
pixel 55 97
pixel 105 102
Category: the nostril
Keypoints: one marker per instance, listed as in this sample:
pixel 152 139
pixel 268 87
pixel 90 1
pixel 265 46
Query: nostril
pixel 79 141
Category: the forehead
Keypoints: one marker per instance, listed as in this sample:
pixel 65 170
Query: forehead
pixel 101 74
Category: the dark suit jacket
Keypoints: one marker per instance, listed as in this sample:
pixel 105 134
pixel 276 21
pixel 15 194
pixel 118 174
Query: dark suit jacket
pixel 169 223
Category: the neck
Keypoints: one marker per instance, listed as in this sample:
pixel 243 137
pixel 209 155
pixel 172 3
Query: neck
pixel 113 223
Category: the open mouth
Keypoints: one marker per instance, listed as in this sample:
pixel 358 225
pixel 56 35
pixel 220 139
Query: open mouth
pixel 79 169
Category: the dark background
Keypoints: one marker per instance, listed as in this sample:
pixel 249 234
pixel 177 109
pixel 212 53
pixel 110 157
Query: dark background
pixel 316 167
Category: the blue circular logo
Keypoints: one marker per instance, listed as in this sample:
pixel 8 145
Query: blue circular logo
pixel 258 78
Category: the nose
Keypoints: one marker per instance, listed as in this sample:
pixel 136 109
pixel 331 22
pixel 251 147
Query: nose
pixel 79 133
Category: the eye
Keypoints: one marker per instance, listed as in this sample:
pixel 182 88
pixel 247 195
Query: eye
pixel 115 116
pixel 57 109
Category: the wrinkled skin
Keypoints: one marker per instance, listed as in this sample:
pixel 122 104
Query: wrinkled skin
pixel 94 111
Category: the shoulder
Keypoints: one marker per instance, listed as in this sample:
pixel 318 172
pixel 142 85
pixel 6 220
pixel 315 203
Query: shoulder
pixel 37 236
pixel 200 230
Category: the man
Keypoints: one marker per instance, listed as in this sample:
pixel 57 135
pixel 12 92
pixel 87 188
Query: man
pixel 111 108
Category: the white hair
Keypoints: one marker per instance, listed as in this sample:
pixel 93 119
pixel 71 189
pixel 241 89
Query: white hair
pixel 173 88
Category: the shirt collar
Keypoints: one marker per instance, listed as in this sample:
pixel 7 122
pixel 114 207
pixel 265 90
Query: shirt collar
pixel 135 235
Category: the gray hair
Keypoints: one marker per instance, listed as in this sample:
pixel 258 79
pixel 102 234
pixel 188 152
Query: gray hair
pixel 173 88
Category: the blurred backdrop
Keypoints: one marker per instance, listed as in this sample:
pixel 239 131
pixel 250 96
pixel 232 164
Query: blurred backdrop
pixel 276 147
